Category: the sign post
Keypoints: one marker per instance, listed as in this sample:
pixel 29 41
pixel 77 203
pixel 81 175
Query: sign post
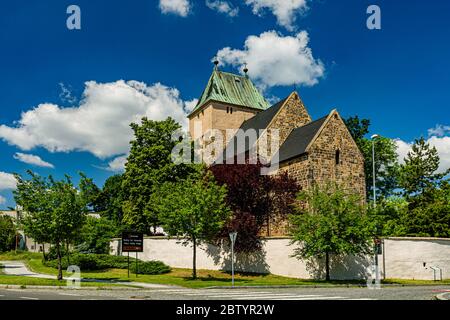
pixel 132 242
pixel 233 236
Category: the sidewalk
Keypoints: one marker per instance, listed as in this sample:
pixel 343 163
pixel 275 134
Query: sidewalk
pixel 18 268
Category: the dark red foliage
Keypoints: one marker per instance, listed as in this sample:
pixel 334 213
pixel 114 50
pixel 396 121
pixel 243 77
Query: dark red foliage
pixel 255 199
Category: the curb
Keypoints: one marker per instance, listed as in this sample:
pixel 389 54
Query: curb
pixel 443 296
pixel 24 287
pixel 322 286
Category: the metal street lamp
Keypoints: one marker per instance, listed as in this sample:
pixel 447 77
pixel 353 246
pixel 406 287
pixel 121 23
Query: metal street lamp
pixel 373 137
pixel 233 236
pixel 376 240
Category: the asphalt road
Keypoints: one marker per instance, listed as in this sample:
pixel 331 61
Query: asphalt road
pixel 386 293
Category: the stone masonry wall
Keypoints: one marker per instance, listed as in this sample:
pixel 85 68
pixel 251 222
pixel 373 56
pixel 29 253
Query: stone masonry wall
pixel 349 172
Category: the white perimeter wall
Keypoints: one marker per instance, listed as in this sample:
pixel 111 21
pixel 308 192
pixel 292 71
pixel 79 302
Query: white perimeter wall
pixel 402 258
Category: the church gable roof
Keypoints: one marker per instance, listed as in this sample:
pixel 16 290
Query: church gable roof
pixel 300 138
pixel 261 120
pixel 232 89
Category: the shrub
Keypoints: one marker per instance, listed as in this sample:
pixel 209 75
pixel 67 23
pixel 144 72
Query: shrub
pixel 7 233
pixel 151 267
pixel 92 262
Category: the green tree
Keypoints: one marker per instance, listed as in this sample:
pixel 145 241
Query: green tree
pixel 110 200
pixel 96 234
pixel 427 192
pixel 418 173
pixel 386 163
pixel 148 166
pixel 54 211
pixel 194 209
pixel 7 233
pixel 329 222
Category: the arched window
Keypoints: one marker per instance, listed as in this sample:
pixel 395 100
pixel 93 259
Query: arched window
pixel 338 157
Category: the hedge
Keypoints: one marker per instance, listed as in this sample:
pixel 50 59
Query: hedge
pixel 92 262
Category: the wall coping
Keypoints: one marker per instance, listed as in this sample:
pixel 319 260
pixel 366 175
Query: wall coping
pixel 416 238
pixel 289 238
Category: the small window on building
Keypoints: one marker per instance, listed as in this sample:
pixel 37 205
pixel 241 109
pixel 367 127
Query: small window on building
pixel 228 109
pixel 203 112
pixel 337 157
pixel 231 110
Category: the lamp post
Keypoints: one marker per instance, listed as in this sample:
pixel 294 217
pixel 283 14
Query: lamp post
pixel 233 236
pixel 376 240
pixel 373 137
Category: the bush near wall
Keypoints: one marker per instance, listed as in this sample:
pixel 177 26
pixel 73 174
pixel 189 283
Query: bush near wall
pixel 92 262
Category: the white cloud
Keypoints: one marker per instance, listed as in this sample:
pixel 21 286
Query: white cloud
pixel 33 160
pixel 439 131
pixel 285 11
pixel 276 60
pixel 224 7
pixel 177 7
pixel 66 94
pixel 100 124
pixel 190 105
pixel 7 181
pixel 117 164
pixel 2 200
pixel 442 144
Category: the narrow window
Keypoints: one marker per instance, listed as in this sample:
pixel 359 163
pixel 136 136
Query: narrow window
pixel 337 157
pixel 228 109
pixel 231 110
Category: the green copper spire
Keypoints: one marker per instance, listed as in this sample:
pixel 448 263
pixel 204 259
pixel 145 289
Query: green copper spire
pixel 232 89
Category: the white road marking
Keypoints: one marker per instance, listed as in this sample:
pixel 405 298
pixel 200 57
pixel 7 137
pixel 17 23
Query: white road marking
pixel 310 298
pixel 226 294
pixel 29 298
pixel 68 294
pixel 2 295
pixel 275 297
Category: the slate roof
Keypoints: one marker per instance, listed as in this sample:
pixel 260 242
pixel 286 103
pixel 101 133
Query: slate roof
pixel 232 89
pixel 299 139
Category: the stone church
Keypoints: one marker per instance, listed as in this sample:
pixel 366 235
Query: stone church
pixel 311 151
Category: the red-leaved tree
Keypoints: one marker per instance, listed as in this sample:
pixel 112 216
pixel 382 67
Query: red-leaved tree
pixel 256 200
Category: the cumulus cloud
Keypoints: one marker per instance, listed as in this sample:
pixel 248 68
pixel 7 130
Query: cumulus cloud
pixel 436 139
pixel 33 160
pixel 439 131
pixel 2 200
pixel 100 123
pixel 224 7
pixel 190 105
pixel 177 7
pixel 7 181
pixel 117 164
pixel 285 11
pixel 276 60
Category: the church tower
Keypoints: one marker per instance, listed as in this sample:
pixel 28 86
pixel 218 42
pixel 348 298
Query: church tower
pixel 227 101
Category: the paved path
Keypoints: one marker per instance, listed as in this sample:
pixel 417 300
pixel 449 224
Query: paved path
pixel 18 268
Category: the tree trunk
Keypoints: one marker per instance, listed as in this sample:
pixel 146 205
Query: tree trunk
pixel 327 266
pixel 58 252
pixel 194 268
pixel 43 252
pixel 68 253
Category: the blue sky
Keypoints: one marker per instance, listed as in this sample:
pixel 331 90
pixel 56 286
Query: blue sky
pixel 398 76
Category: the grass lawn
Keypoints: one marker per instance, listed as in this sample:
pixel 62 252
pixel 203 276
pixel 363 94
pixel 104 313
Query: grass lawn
pixel 182 277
